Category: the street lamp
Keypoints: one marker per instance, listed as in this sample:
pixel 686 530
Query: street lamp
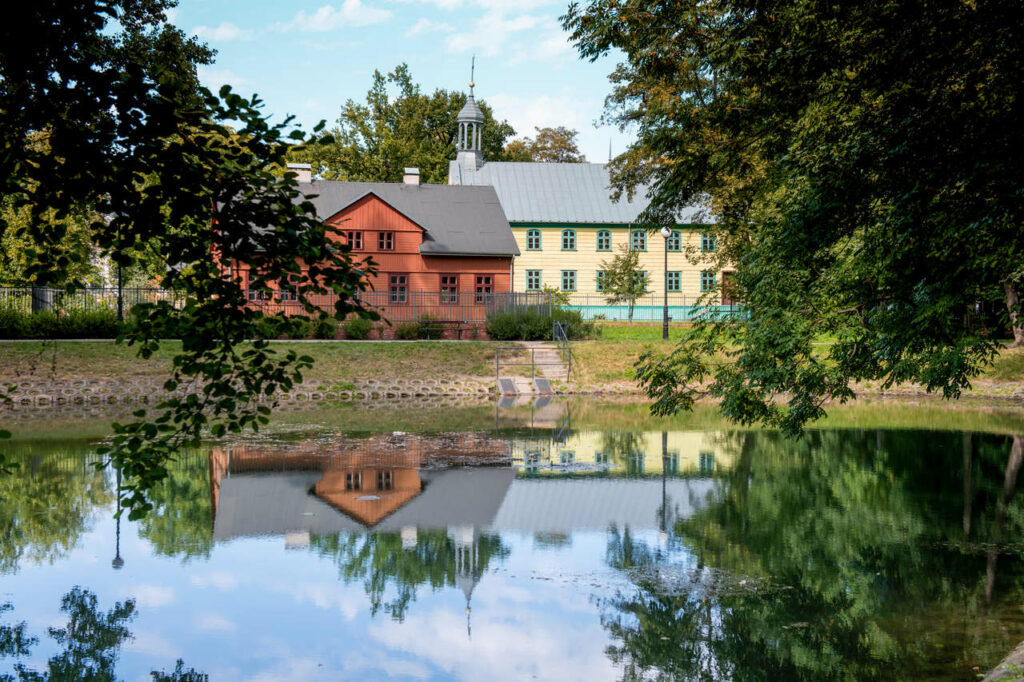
pixel 666 233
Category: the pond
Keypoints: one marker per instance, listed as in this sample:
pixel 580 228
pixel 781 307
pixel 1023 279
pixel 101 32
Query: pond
pixel 562 542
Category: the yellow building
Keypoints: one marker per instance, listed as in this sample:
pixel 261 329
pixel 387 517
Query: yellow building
pixel 566 225
pixel 702 453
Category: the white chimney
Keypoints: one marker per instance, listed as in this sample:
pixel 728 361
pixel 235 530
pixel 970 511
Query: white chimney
pixel 411 176
pixel 303 170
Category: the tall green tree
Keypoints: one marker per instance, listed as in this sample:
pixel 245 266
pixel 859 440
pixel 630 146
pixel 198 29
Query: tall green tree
pixel 550 145
pixel 399 126
pixel 156 157
pixel 623 281
pixel 861 164
pixel 145 40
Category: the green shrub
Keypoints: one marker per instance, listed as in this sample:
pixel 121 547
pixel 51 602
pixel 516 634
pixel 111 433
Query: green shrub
pixel 299 328
pixel 535 324
pixel 408 331
pixel 76 324
pixel 268 327
pixel 324 329
pixel 12 323
pixel 426 328
pixel 358 329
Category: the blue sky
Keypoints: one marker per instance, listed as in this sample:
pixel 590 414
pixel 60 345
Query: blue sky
pixel 306 59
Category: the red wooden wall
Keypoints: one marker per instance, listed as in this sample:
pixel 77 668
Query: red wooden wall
pixel 371 216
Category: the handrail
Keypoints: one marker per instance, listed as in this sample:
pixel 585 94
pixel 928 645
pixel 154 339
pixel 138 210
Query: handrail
pixel 564 347
pixel 498 364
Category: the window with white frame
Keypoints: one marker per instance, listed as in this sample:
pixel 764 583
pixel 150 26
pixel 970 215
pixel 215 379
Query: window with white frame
pixel 638 241
pixel 568 240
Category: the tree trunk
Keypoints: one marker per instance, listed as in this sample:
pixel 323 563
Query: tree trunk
pixel 42 299
pixel 1013 465
pixel 1013 306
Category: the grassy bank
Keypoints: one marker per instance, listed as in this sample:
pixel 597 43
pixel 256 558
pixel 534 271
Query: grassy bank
pixel 607 360
pixel 611 357
pixel 333 361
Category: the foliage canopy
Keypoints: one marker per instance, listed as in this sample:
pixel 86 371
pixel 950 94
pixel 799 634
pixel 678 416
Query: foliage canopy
pixel 863 176
pixel 155 156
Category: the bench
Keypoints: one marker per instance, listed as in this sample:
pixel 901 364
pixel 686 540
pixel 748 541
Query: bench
pixel 458 326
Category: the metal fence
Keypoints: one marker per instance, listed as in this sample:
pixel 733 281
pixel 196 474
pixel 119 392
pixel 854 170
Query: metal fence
pixel 647 308
pixel 78 300
pixel 467 308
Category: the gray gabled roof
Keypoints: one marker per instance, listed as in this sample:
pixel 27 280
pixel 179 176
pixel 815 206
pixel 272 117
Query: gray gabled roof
pixel 459 221
pixel 559 193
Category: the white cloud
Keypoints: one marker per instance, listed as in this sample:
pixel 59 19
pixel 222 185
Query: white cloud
pixel 224 32
pixel 152 644
pixel 214 78
pixel 527 113
pixel 490 33
pixel 425 25
pixel 550 48
pixel 211 622
pixel 152 596
pixel 327 597
pixel 515 5
pixel 500 5
pixel 329 18
pixel 513 645
pixel 220 580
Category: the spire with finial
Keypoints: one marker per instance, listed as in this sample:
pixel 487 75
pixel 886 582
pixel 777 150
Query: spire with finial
pixel 470 120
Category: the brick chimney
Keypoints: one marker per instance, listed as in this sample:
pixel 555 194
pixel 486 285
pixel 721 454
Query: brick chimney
pixel 303 170
pixel 411 176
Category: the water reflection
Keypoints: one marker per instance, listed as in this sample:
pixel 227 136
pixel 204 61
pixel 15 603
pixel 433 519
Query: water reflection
pixel 88 645
pixel 642 554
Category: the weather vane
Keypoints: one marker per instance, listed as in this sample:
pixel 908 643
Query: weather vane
pixel 472 70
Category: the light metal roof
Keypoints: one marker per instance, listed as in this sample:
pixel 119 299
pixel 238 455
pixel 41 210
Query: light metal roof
pixel 560 193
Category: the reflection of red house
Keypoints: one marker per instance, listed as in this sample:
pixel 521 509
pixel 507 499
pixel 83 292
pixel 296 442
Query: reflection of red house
pixel 439 249
pixel 368 495
pixel 367 479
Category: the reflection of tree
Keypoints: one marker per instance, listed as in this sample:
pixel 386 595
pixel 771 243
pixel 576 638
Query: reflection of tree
pixel 89 644
pixel 46 503
pixel 181 521
pixel 381 562
pixel 827 558
pixel 621 443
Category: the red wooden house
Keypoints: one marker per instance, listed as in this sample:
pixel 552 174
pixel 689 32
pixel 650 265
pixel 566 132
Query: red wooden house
pixel 440 250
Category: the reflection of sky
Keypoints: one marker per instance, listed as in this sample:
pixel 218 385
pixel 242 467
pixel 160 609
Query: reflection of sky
pixel 256 611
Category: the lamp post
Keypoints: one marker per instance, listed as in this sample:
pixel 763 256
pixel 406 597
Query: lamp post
pixel 666 233
pixel 118 562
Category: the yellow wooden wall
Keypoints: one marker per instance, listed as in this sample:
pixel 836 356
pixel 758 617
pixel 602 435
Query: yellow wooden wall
pixel 586 259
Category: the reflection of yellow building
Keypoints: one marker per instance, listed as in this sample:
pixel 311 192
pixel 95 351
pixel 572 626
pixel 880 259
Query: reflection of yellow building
pixel 686 452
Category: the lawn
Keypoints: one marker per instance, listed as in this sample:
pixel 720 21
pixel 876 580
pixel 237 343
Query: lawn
pixel 333 361
pixel 612 356
pixel 639 332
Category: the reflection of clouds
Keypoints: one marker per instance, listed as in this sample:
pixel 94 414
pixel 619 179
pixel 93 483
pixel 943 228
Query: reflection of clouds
pixel 151 644
pixel 503 646
pixel 328 596
pixel 151 596
pixel 211 622
pixel 220 580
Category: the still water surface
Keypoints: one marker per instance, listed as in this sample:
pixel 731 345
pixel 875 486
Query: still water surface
pixel 534 549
